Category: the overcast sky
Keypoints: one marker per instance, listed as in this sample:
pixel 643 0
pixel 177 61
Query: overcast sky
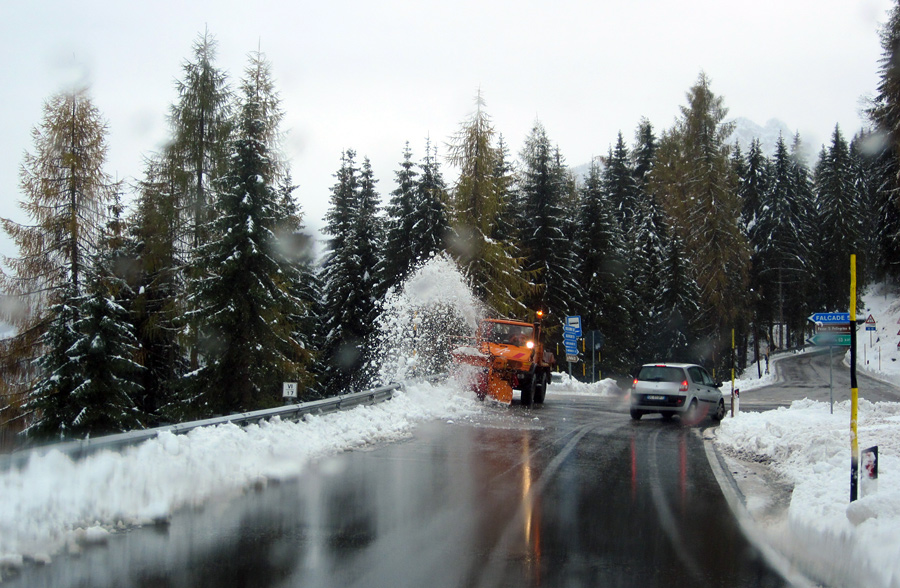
pixel 371 75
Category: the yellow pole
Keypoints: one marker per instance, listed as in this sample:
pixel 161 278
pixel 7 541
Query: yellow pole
pixel 854 391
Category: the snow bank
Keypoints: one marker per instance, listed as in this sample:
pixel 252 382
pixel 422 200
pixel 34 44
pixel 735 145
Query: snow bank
pixel 853 543
pixel 564 384
pixel 54 503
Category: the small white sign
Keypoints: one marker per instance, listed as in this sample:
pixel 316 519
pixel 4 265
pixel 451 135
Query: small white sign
pixel 289 390
pixel 572 358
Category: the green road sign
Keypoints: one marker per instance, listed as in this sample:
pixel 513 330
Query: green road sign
pixel 824 339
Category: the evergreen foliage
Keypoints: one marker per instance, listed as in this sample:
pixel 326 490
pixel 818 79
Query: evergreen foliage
pixel 244 302
pixel 542 190
pixel 602 271
pixel 837 201
pixel 884 112
pixel 487 258
pixel 349 280
pixel 694 181
pixel 66 190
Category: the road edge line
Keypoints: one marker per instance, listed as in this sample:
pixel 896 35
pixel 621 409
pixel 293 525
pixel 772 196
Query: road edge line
pixel 737 502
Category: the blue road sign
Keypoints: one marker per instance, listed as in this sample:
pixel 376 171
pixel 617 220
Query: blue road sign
pixel 574 321
pixel 830 317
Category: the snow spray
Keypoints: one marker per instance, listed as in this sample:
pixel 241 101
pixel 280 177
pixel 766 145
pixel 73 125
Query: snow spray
pixel 419 320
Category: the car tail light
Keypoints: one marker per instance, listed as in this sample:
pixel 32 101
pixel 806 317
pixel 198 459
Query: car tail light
pixel 684 386
pixel 634 384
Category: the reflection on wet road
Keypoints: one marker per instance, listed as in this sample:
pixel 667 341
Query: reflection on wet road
pixel 573 493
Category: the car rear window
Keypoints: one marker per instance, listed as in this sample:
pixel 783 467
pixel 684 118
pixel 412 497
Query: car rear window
pixel 657 373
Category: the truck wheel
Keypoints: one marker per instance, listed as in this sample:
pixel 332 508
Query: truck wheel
pixel 528 392
pixel 540 391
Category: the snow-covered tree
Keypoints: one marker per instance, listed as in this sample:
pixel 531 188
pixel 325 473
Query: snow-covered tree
pixel 602 272
pixel 348 273
pixel 839 222
pixel 542 189
pixel 243 305
pixel 884 112
pixel 780 236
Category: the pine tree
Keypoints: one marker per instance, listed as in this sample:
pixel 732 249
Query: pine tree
pixel 66 190
pixel 487 258
pixel 243 306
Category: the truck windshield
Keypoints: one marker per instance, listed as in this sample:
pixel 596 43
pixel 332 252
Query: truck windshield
pixel 508 334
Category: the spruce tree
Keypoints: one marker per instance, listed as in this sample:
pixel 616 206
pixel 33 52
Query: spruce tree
pixel 839 222
pixel 884 112
pixel 432 226
pixel 348 273
pixel 400 251
pixel 244 304
pixel 780 237
pixel 542 190
pixel 602 272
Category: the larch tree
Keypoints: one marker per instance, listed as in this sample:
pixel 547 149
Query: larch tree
pixel 696 185
pixel 158 286
pixel 65 192
pixel 201 122
pixel 488 260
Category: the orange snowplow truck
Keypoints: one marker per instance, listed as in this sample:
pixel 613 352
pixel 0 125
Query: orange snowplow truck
pixel 511 356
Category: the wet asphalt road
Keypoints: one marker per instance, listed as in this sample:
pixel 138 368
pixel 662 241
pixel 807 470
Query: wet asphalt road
pixel 573 493
pixel 809 376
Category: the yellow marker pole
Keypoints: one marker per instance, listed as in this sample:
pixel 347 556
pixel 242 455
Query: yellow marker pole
pixel 854 391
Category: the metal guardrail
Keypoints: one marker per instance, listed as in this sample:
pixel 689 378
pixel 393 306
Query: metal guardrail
pixel 80 449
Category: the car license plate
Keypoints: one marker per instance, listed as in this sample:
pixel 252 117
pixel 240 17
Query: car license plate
pixel 655 397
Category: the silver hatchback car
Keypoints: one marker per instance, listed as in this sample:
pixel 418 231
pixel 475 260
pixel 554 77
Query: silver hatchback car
pixel 684 389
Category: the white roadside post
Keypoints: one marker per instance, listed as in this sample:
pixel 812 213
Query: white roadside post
pixel 289 391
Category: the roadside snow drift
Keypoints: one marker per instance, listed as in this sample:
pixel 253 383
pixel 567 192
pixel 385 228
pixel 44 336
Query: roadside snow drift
pixel 850 543
pixel 54 503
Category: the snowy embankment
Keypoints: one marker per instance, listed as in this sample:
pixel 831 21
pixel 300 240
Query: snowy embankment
pixel 842 543
pixel 55 504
